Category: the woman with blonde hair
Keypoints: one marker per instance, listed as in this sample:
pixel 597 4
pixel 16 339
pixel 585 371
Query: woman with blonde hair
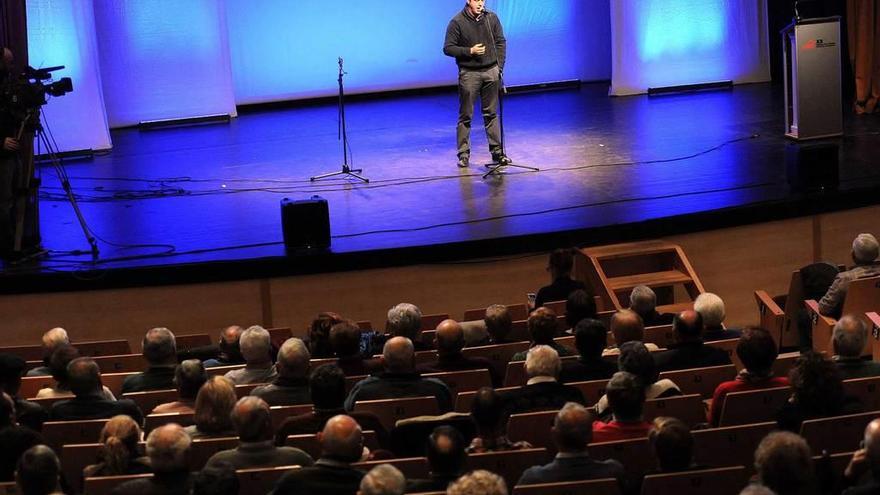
pixel 213 407
pixel 119 453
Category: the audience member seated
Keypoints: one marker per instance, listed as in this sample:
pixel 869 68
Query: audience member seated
pixel 446 458
pixel 327 386
pixel 62 356
pixel 711 309
pixel 256 448
pixel 160 351
pixel 345 339
pixel 688 351
pixel 15 439
pixel 816 392
pixel 756 489
pixel 627 326
pixel 405 320
pixel 479 482
pixel 341 444
pixel 213 407
pixel 168 448
pixel 643 301
pixel 38 472
pixel 51 340
pixel 400 379
pixel 635 358
pixel 862 475
pixel 578 306
pixel 626 399
pixel 542 329
pixel 757 352
pixel 256 347
pixel 189 377
pixel 864 254
pixel 319 335
pixel 450 342
pixel 383 479
pixel 784 464
pixel 27 413
pixel 559 265
pixel 542 391
pixel 119 454
pixel 848 339
pixel 673 445
pixel 291 387
pixel 572 431
pixel 218 479
pixel 590 338
pixel 228 352
pixel 487 412
pixel 499 324
pixel 89 401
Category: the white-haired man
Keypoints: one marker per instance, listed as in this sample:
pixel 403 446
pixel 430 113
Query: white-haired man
pixel 256 347
pixel 405 320
pixel 865 251
pixel 542 391
pixel 711 308
pixel 291 387
pixel 848 339
pixel 643 300
pixel 383 479
pixel 168 448
pixel 51 340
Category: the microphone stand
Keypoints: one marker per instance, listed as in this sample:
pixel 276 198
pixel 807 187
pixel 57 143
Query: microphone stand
pixel 497 168
pixel 346 171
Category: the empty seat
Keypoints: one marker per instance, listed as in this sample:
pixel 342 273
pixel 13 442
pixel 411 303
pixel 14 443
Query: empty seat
pixel 753 406
pixel 838 433
pixel 731 445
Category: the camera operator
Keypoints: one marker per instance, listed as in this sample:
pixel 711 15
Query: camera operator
pixel 8 159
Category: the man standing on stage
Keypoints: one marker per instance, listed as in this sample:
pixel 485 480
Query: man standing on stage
pixel 476 40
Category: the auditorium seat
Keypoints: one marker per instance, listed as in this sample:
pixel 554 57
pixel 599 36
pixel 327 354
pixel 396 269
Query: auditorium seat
pixel 866 390
pixel 58 433
pixel 730 445
pixel 411 467
pixel 121 363
pixel 430 322
pixel 464 400
pixel 104 485
pixel 279 335
pixel 390 411
pixel 260 481
pixel 9 488
pixel 660 335
pixel 517 312
pixel 47 402
pixel 862 296
pixel 185 343
pixel 605 486
pixel 718 481
pixel 533 427
pixel 74 458
pixel 593 390
pixel 351 381
pixel 728 346
pixel 148 400
pixel 508 464
pixel 463 381
pixel 515 373
pixel 636 455
pixel 30 385
pixel 310 445
pixel 202 449
pixel 701 381
pixel 153 421
pixel 499 354
pixel 280 413
pixel 222 370
pixel 114 381
pixel 837 433
pixel 245 389
pixel 753 406
pixel 688 408
pixel 784 363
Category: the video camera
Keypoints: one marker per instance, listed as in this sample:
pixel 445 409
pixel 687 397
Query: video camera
pixel 27 92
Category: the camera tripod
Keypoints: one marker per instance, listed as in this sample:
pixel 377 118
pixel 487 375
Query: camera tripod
pixel 346 171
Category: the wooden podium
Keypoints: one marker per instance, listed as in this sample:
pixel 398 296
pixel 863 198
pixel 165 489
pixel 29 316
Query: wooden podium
pixel 613 271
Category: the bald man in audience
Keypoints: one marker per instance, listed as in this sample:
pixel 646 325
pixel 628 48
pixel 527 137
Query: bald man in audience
pixel 291 387
pixel 542 391
pixel 400 379
pixel 160 351
pixel 341 445
pixel 256 448
pixel 572 432
pixel 450 341
pixel 446 461
pixel 256 347
pixel 168 449
pixel 848 340
pixel 229 351
pixel 866 461
pixel 688 349
pixel 627 326
pixel 38 472
pixel 51 340
pixel 865 251
pixel 89 401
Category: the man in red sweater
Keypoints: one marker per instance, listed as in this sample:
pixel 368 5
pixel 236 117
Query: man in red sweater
pixel 626 398
pixel 757 351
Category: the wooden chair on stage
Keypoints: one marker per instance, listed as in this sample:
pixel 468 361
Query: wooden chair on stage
pixel 390 411
pixel 719 481
pixel 753 406
pixel 702 381
pixel 731 445
pixel 838 433
pixel 605 486
pixel 508 464
pixel 259 481
pixel 862 296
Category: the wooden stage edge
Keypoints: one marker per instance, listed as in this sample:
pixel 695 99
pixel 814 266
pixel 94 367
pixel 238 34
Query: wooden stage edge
pixel 733 252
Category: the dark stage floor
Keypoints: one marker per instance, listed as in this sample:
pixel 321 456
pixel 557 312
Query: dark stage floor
pixel 611 169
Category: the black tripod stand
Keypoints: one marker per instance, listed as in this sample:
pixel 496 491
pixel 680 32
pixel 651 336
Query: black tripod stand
pixel 497 168
pixel 346 171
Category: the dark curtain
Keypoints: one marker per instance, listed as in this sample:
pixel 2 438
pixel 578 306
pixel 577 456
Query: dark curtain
pixel 863 22
pixel 13 29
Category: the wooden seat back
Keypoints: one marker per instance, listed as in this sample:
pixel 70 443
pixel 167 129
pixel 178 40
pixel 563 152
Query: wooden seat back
pixel 604 486
pixel 58 433
pixel 259 481
pixel 728 346
pixel 279 335
pixel 660 335
pixel 411 467
pixel 508 464
pixel 104 485
pixel 430 322
pixel 389 411
pixel 148 400
pixel 309 443
pixel 245 389
pixel 222 370
pixel 114 381
pixel 465 400
pixel 593 390
pixel 517 312
pixel 190 341
pixel 499 354
pixel 636 455
pixel 280 413
pixel 96 348
pixel 47 402
pixel 153 421
pixel 688 408
pixel 30 385
pixel 753 406
pixel 866 390
pixel 862 296
pixel 838 433
pixel 9 488
pixel 121 363
pixel 718 481
pixel 784 363
pixel 75 458
pixel 730 445
pixel 351 381
pixel 202 449
pixel 701 381
pixel 533 427
pixel 463 381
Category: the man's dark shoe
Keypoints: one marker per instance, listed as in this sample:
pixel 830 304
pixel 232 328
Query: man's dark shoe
pixel 463 161
pixel 501 159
